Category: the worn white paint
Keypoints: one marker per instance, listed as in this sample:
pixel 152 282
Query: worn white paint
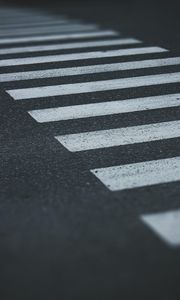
pixel 120 136
pixel 38 24
pixel 93 69
pixel 65 36
pixel 93 86
pixel 166 225
pixel 141 174
pixel 104 108
pixel 78 56
pixel 74 45
pixel 24 19
pixel 74 27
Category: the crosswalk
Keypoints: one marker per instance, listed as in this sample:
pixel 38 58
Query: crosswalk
pixel 93 86
pixel 66 46
pixel 166 225
pixel 48 30
pixel 104 108
pixel 139 174
pixel 120 136
pixel 93 69
pixel 88 49
pixel 78 56
pixel 58 37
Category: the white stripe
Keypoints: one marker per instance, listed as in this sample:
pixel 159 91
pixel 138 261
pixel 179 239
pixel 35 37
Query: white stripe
pixel 66 36
pixel 41 29
pixel 17 13
pixel 79 56
pixel 141 174
pixel 32 12
pixel 28 15
pixel 166 225
pixel 126 41
pixel 5 19
pixel 22 19
pixel 120 136
pixel 51 73
pixel 104 108
pixel 14 12
pixel 27 20
pixel 50 30
pixel 35 24
pixel 24 12
pixel 94 86
pixel 5 9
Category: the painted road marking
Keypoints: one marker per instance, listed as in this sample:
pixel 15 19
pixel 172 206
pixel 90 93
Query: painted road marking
pixel 24 19
pixel 104 108
pixel 8 15
pixel 79 56
pixel 166 225
pixel 93 69
pixel 14 26
pixel 120 136
pixel 17 14
pixel 51 30
pixel 141 174
pixel 93 86
pixel 114 42
pixel 62 24
pixel 43 38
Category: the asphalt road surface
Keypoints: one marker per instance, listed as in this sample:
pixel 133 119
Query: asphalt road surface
pixel 90 151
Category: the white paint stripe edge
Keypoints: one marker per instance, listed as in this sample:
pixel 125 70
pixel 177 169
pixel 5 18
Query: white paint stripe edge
pixel 104 108
pixel 118 178
pixel 50 30
pixel 28 15
pixel 27 19
pixel 74 45
pixel 120 136
pixel 93 69
pixel 94 86
pixel 37 23
pixel 79 56
pixel 166 225
pixel 100 33
pixel 44 28
pixel 18 25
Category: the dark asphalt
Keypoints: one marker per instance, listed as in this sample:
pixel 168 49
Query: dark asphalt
pixel 63 235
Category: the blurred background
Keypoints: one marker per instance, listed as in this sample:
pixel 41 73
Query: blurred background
pixel 156 21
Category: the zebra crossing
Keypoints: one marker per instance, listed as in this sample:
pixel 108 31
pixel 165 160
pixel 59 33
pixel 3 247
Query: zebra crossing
pixel 78 56
pixel 66 46
pixel 139 174
pixel 166 225
pixel 52 34
pixel 94 69
pixel 49 29
pixel 93 86
pixel 58 37
pixel 104 108
pixel 120 136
